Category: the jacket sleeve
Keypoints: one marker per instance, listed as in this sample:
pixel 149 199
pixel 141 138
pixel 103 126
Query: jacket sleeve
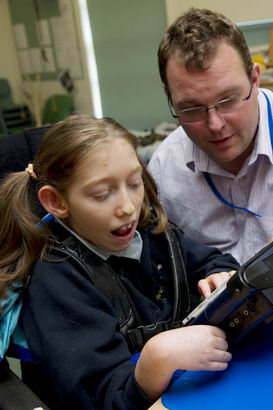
pixel 73 334
pixel 204 260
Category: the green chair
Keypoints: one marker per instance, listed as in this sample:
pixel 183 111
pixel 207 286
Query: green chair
pixel 57 108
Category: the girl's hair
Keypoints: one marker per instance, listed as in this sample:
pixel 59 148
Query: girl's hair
pixel 23 241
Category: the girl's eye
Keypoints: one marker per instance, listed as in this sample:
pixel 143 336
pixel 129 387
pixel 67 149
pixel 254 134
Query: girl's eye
pixel 101 197
pixel 136 183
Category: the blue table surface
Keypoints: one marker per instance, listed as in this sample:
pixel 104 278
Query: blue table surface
pixel 246 384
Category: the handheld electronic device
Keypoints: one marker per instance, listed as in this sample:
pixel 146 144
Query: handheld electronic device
pixel 242 302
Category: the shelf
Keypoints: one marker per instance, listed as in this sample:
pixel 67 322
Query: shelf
pixel 15 118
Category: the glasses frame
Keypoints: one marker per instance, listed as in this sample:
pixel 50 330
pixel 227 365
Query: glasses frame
pixel 203 107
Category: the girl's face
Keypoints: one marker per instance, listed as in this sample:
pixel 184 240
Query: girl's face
pixel 105 198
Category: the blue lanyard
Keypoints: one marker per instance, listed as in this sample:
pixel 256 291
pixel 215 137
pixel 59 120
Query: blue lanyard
pixel 208 177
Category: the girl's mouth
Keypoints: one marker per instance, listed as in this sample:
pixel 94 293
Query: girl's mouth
pixel 124 230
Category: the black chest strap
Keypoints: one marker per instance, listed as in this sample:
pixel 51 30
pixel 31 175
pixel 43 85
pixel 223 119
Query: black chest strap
pixel 102 276
pixel 182 302
pixel 109 283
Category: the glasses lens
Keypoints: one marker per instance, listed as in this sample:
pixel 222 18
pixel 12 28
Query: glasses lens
pixel 193 115
pixel 199 114
pixel 229 105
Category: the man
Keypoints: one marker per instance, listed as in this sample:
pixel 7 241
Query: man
pixel 215 171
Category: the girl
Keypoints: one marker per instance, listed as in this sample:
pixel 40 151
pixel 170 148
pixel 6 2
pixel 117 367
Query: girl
pixel 109 238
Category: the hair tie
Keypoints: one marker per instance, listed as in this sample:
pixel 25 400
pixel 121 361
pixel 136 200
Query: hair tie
pixel 31 173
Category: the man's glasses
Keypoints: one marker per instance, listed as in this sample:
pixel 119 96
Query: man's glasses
pixel 199 114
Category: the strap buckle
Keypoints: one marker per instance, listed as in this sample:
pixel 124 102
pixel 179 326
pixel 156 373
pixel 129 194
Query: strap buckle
pixel 140 335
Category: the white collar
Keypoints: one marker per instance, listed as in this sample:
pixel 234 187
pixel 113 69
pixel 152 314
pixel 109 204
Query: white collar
pixel 133 251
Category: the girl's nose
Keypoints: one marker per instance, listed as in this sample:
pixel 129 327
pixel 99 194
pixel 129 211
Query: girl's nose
pixel 126 206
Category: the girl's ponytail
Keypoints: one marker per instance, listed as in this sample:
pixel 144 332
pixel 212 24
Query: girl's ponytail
pixel 21 239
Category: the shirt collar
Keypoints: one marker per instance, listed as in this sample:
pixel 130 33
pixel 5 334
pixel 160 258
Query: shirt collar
pixel 263 142
pixel 133 251
pixel 199 161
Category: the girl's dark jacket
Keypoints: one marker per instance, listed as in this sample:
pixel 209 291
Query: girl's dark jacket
pixel 73 332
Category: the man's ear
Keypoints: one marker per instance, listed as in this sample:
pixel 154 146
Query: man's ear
pixel 167 93
pixel 256 75
pixel 53 201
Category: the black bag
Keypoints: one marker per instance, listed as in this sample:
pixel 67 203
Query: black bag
pixel 15 395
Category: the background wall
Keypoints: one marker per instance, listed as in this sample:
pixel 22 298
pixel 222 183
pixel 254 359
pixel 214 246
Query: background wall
pixel 237 11
pixel 14 12
pixel 126 36
pixel 9 67
pixel 255 19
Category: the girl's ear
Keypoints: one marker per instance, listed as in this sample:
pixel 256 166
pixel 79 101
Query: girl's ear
pixel 53 201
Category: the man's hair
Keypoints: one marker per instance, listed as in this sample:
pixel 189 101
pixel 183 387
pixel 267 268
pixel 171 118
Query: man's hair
pixel 192 38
